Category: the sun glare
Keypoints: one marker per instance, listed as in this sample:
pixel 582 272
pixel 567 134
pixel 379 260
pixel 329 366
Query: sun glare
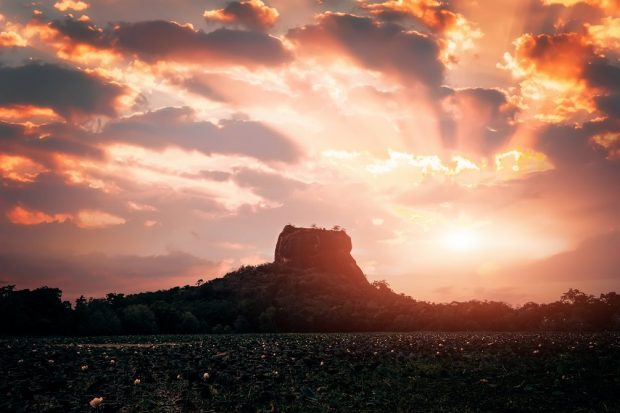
pixel 460 240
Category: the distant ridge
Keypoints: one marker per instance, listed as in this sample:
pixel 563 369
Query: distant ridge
pixel 313 285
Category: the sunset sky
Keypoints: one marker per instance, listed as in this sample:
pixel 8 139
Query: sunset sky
pixel 470 148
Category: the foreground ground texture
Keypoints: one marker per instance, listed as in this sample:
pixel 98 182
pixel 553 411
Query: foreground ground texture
pixel 315 372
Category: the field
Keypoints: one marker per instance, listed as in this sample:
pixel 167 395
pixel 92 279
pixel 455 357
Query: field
pixel 314 372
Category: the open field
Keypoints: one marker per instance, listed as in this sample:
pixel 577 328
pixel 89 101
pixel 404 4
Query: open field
pixel 314 372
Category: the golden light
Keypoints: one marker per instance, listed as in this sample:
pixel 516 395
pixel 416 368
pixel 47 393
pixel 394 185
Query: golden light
pixel 461 240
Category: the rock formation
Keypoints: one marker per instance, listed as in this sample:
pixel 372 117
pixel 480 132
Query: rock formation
pixel 319 249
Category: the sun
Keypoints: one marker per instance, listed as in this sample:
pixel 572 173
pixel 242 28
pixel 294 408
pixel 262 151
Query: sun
pixel 460 240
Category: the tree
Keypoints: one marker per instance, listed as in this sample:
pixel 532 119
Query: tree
pixel 189 323
pixel 574 296
pixel 382 285
pixel 241 324
pixel 267 321
pixel 139 319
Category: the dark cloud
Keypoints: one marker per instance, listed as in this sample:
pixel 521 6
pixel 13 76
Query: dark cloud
pixel 609 105
pixel 602 74
pixel 162 40
pixel 97 273
pixel 267 185
pixel 177 127
pixel 252 14
pixel 553 18
pixel 566 145
pixel 52 194
pixel 433 15
pixel 69 92
pixel 408 55
pixel 42 143
pixel 10 131
pixel 477 120
pixel 80 31
pixel 605 79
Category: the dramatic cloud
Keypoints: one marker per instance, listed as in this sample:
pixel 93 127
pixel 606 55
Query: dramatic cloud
pixel 559 56
pixel 548 18
pixel 178 127
pixel 19 168
pixel 10 35
pixel 162 40
pixel 566 145
pixel 478 120
pixel 142 128
pixel 567 71
pixel 69 92
pixel 387 48
pixel 22 216
pixel 252 14
pixel 456 33
pixel 87 219
pixel 603 75
pixel 435 15
pixel 64 5
pixel 44 143
pixel 268 185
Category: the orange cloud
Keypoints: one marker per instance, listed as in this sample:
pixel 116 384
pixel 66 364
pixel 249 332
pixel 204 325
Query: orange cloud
pixel 77 40
pixel 93 219
pixel 11 35
pixel 22 216
pixel 20 168
pixel 253 14
pixel 434 14
pixel 606 34
pixel 28 113
pixel 558 56
pixel 611 142
pixel 12 39
pixel 456 32
pixel 86 218
pixel 555 73
pixel 64 5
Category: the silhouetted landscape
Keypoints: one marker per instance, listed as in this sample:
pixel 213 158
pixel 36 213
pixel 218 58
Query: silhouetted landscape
pixel 313 285
pixel 151 150
pixel 344 344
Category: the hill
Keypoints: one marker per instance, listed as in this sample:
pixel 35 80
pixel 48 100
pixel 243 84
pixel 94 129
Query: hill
pixel 313 285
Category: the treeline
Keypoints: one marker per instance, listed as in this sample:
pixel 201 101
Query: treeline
pixel 270 298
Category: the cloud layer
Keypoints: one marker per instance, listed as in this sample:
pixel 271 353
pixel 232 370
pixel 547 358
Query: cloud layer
pixel 459 143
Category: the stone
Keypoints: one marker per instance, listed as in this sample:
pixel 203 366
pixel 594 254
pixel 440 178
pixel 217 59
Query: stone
pixel 317 249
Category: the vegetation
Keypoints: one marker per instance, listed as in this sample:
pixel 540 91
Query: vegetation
pixel 397 372
pixel 272 298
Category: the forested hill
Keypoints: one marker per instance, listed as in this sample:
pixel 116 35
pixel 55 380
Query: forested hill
pixel 314 285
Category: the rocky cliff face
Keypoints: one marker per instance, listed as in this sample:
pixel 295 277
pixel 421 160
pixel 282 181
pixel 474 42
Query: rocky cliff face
pixel 320 249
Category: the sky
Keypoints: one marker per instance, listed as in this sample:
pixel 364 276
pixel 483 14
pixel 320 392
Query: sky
pixel 470 148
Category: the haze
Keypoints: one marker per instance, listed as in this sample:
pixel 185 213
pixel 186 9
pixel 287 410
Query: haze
pixel 469 148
